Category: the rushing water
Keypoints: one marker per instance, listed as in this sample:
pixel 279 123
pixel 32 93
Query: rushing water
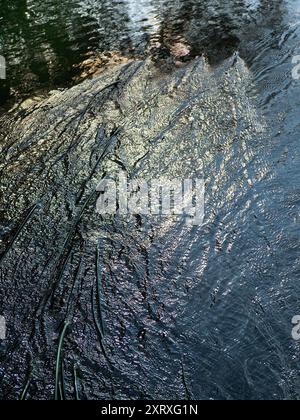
pixel 188 312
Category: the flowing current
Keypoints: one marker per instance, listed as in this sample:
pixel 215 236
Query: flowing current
pixel 141 307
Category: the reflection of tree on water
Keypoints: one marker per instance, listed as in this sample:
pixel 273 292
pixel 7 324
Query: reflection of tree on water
pixel 42 40
pixel 214 27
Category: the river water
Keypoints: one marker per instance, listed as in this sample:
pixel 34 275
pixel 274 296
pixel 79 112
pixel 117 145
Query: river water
pixel 188 312
pixel 43 40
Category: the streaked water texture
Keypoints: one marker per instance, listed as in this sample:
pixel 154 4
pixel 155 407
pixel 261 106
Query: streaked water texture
pixel 143 307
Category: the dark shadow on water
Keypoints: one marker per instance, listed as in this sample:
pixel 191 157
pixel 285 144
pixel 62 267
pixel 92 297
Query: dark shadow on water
pixel 218 29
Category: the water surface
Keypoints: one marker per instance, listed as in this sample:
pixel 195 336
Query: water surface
pixel 187 313
pixel 43 40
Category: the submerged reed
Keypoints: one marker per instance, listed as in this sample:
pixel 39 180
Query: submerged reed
pixel 59 373
pixel 27 384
